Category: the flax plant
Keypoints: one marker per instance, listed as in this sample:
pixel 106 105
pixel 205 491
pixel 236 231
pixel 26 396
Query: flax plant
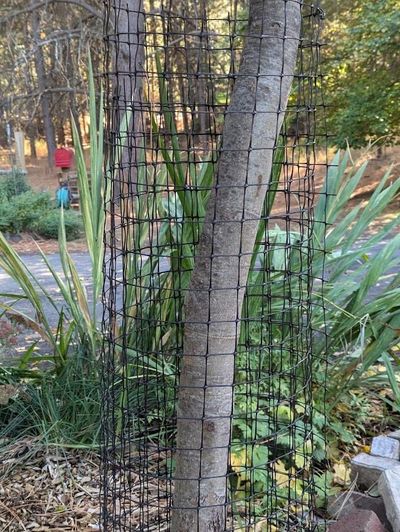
pixel 76 308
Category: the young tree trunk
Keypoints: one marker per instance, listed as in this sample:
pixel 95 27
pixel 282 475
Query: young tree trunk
pixel 127 80
pixel 61 134
pixel 214 303
pixel 42 86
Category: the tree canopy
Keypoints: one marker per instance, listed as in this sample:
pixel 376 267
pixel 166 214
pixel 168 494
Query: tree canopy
pixel 362 63
pixel 43 48
pixel 43 52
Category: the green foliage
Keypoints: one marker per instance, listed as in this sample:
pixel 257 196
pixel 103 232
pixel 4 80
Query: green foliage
pixel 92 193
pixel 60 401
pixel 12 184
pixel 21 211
pixel 48 225
pixel 62 408
pixel 77 319
pixel 357 317
pixel 350 366
pixel 362 324
pixel 363 71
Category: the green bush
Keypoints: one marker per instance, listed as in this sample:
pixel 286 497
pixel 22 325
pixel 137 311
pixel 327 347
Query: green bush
pixel 6 216
pixel 48 224
pixel 12 184
pixel 19 205
pixel 20 212
pixel 62 408
pixel 26 210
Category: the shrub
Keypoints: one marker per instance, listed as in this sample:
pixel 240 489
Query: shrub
pixel 12 184
pixel 20 212
pixel 48 224
pixel 6 216
pixel 19 205
pixel 23 210
pixel 28 210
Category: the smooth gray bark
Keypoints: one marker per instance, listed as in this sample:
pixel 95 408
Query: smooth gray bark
pixel 214 303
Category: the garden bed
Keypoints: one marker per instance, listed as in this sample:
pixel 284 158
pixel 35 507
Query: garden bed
pixel 48 488
pixel 53 488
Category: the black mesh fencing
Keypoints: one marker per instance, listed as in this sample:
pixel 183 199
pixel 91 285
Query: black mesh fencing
pixel 214 171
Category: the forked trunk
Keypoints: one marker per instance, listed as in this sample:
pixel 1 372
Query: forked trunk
pixel 214 303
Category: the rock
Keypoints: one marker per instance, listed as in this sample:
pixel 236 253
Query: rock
pixel 344 503
pixel 395 435
pixel 386 447
pixel 358 521
pixel 389 488
pixel 14 237
pixel 366 469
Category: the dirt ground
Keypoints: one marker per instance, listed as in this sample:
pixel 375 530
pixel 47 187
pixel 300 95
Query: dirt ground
pixel 42 178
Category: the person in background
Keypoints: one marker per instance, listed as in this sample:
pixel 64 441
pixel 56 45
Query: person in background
pixel 63 196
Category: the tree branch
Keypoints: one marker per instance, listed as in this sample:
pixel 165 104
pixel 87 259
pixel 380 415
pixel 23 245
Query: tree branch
pixel 80 3
pixel 39 94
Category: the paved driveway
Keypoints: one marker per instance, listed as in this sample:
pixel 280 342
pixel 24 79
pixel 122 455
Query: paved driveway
pixel 36 265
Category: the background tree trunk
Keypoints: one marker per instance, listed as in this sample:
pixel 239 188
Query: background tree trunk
pixel 42 85
pixel 74 113
pixel 32 135
pixel 214 304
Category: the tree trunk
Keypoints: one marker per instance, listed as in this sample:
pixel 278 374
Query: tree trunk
pixel 61 134
pixel 42 86
pixel 74 114
pixel 127 87
pixel 214 304
pixel 200 68
pixel 32 135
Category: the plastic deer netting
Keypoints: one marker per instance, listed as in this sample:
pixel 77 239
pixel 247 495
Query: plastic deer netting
pixel 212 179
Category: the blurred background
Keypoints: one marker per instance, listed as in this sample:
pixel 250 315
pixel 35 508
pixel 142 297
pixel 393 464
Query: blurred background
pixel 43 57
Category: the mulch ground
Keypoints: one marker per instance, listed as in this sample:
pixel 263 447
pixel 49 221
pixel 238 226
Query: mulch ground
pixel 45 488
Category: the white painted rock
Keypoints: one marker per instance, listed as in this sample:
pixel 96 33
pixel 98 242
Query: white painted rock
pixel 395 435
pixel 366 469
pixel 389 488
pixel 386 447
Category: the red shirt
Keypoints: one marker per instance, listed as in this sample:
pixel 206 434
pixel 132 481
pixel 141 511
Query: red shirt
pixel 63 157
